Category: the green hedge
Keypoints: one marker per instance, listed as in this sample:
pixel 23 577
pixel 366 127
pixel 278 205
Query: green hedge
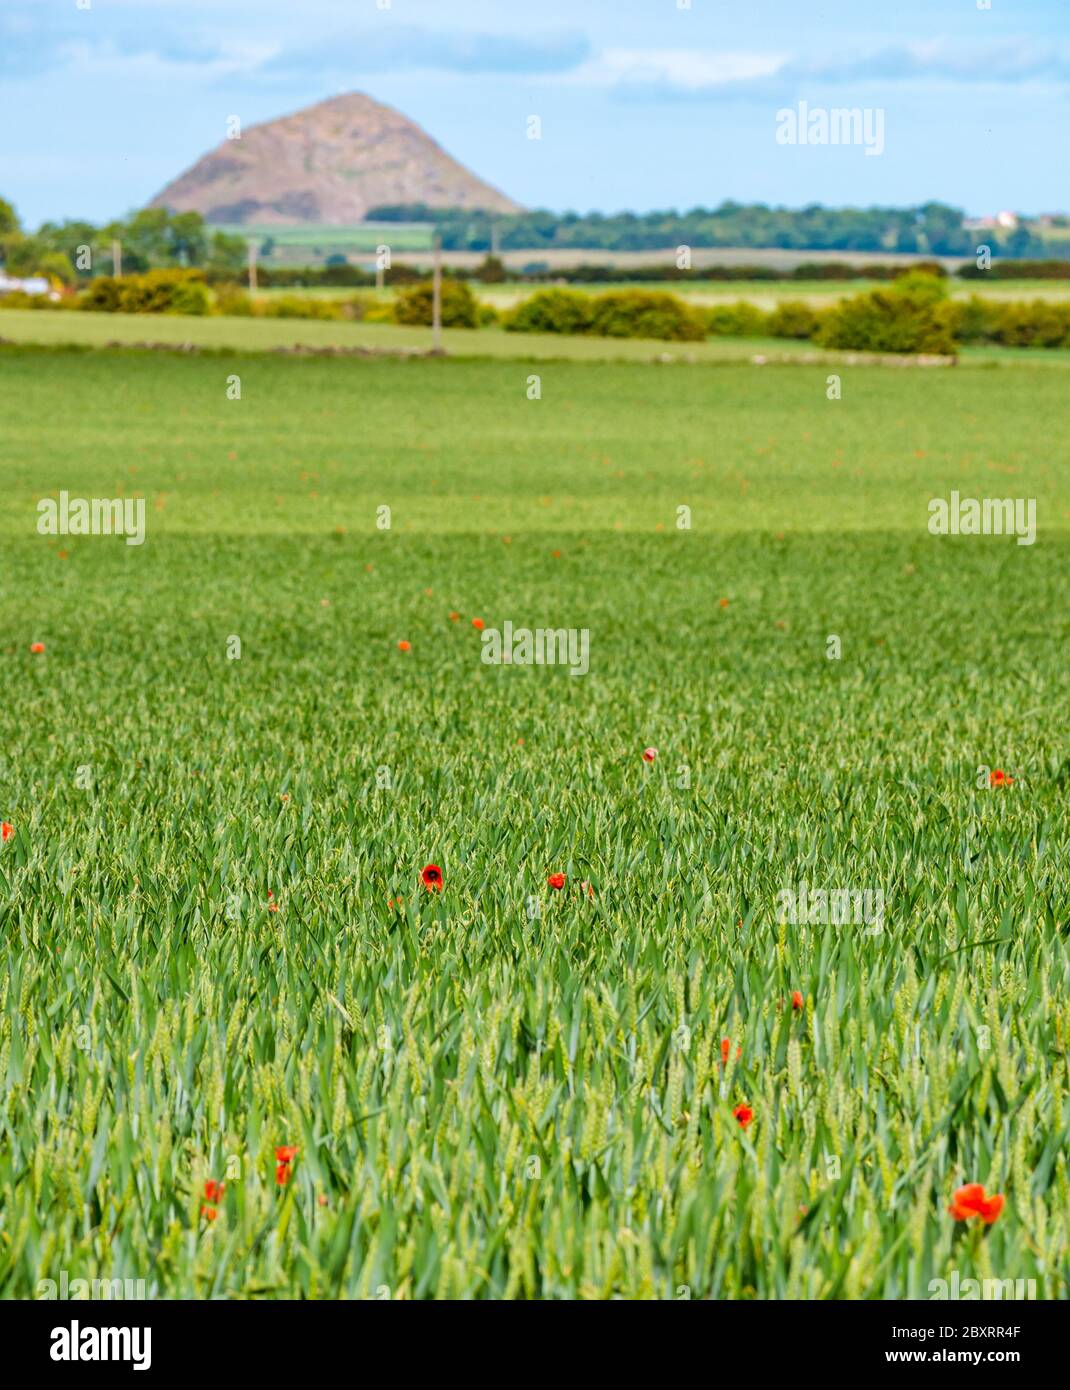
pixel 459 306
pixel 623 314
pixel 551 311
pixel 913 316
pixel 793 319
pixel 155 292
pixel 738 320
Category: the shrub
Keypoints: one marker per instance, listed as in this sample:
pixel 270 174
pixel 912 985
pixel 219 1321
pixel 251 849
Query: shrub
pixel 645 314
pixel 18 299
pixel 103 295
pixel 491 271
pixel 622 314
pixel 1035 324
pixel 739 320
pixel 155 292
pixel 379 311
pixel 792 319
pixel 974 320
pixel 459 308
pixel 297 306
pixel 232 300
pixel 901 319
pixel 922 285
pixel 551 311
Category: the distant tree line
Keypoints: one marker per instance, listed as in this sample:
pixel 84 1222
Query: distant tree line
pixel 931 229
pixel 76 251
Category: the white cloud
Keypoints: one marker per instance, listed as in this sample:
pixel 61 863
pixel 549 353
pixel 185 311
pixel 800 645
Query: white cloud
pixel 692 72
pixel 687 69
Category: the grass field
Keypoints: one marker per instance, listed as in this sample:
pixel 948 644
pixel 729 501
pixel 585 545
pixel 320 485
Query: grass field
pixel 767 295
pixel 311 245
pixel 217 334
pixel 503 1089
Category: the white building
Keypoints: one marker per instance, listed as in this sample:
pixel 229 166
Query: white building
pixel 34 284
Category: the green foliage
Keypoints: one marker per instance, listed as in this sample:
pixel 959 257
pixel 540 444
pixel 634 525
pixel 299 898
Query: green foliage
pixel 1040 323
pixel 922 287
pixel 16 299
pixel 296 306
pixel 551 311
pixel 739 320
pixel 623 314
pixel 9 219
pixel 414 305
pixel 22 255
pixel 913 319
pixel 491 271
pixel 645 314
pixel 792 319
pixel 155 292
pixel 233 300
pixel 56 266
pixel 932 229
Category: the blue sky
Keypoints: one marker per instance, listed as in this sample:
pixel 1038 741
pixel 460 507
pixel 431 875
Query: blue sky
pixel 643 104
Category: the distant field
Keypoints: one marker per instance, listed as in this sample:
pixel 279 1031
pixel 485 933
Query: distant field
pixel 265 335
pixel 304 245
pixel 758 292
pixel 766 295
pixel 412 243
pixel 259 335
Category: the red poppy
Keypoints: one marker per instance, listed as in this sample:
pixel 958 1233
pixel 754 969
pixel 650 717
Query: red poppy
pixel 744 1114
pixel 971 1201
pixel 556 880
pixel 726 1048
pixel 6 830
pixel 282 1174
pixel 404 646
pixel 431 875
pixel 649 754
pixel 478 624
pixel 209 1213
pixel 724 603
pixel 998 778
pixel 589 887
pixel 286 1153
pixel 214 1190
pixel 37 648
pixel 796 1000
pixel 272 906
pixel 455 617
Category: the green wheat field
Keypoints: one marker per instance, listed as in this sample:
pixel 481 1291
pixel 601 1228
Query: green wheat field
pixel 224 778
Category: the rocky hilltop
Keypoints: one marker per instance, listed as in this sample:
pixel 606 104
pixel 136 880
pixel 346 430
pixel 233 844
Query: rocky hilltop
pixel 327 164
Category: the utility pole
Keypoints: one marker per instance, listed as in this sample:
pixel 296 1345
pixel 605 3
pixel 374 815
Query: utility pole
pixel 116 257
pixel 252 267
pixel 436 298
